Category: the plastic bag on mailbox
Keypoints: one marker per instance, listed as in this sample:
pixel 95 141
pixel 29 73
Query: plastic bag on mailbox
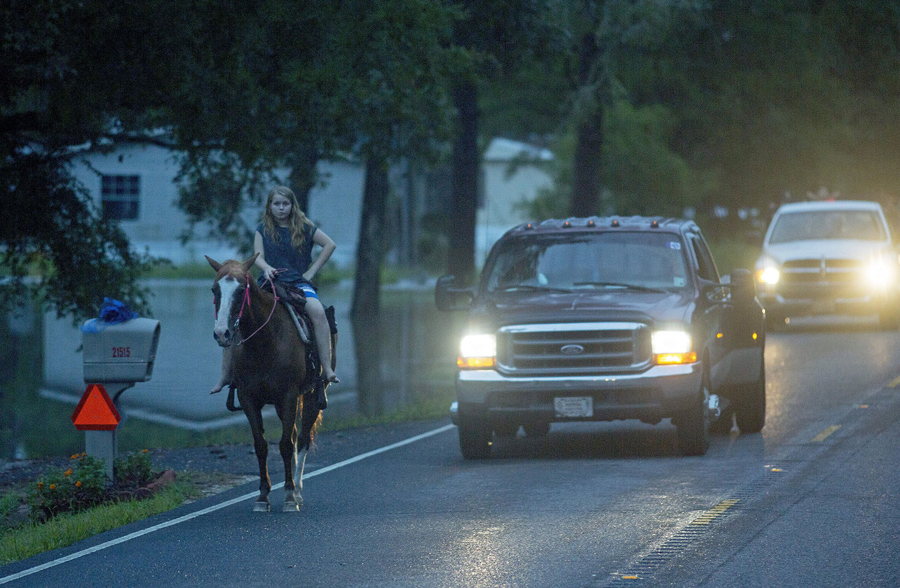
pixel 113 312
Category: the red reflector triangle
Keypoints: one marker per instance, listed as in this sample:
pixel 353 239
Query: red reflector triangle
pixel 96 411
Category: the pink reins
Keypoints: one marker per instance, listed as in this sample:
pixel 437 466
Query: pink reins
pixel 246 302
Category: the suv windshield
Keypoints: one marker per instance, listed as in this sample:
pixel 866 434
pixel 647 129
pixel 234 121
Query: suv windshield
pixel 608 260
pixel 863 225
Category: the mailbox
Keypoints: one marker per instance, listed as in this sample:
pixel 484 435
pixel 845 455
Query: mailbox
pixel 120 352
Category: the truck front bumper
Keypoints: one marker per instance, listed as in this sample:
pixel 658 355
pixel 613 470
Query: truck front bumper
pixel 657 393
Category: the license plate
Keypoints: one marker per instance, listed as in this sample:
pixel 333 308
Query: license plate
pixel 573 406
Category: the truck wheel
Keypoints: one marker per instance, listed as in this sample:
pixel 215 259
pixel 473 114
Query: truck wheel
pixel 750 404
pixel 474 439
pixel 693 424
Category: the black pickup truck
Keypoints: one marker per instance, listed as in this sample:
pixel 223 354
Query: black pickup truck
pixel 606 318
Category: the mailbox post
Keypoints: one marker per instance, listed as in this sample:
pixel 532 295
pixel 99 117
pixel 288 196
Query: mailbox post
pixel 116 356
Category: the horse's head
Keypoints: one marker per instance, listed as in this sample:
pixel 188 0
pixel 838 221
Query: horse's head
pixel 229 289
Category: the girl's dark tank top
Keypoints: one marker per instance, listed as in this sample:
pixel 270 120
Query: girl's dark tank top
pixel 281 255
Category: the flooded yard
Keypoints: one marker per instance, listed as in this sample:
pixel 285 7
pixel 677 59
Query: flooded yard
pixel 42 378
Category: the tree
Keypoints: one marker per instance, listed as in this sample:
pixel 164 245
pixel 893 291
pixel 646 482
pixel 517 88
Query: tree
pixel 400 110
pixel 502 33
pixel 75 73
pixel 240 90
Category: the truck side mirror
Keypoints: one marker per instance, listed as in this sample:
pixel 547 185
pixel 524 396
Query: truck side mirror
pixel 448 297
pixel 742 287
pixel 737 287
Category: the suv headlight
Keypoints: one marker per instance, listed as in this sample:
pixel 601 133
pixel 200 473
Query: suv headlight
pixel 477 351
pixel 672 347
pixel 880 273
pixel 768 275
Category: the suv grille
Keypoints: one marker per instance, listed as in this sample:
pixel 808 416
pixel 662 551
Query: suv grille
pixel 835 271
pixel 573 348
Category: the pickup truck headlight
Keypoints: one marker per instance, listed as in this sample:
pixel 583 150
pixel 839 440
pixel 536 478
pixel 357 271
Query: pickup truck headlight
pixel 768 275
pixel 477 351
pixel 879 273
pixel 672 347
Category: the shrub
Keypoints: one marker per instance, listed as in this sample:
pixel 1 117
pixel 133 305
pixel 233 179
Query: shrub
pixel 84 485
pixel 134 471
pixel 81 486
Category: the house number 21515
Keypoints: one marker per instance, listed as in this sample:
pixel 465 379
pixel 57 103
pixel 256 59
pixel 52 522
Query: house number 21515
pixel 121 351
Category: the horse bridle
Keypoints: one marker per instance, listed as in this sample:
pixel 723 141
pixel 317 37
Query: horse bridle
pixel 245 302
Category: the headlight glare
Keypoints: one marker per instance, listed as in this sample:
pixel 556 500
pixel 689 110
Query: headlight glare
pixel 879 273
pixel 477 351
pixel 672 347
pixel 768 275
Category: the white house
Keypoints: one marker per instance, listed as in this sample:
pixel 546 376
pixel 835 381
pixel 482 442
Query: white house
pixel 514 173
pixel 135 185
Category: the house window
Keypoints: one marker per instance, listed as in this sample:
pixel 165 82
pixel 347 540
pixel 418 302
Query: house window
pixel 120 196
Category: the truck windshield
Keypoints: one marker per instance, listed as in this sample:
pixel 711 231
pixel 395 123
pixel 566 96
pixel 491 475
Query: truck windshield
pixel 576 262
pixel 863 225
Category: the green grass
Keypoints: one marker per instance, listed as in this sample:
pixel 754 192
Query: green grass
pixel 64 530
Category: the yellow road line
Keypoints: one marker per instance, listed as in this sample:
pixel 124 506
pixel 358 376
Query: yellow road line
pixel 716 511
pixel 894 383
pixel 824 434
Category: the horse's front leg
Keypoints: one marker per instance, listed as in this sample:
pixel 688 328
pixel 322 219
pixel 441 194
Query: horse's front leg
pixel 254 417
pixel 288 447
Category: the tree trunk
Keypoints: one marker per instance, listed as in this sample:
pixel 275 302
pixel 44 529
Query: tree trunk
pixel 587 165
pixel 367 287
pixel 589 141
pixel 461 254
pixel 304 176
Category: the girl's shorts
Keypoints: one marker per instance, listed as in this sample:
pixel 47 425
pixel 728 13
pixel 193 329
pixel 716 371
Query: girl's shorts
pixel 308 290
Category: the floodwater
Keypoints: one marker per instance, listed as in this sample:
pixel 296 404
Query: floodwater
pixel 418 356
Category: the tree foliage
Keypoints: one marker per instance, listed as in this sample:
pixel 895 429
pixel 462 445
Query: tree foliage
pixel 691 103
pixel 735 103
pixel 64 84
pixel 241 90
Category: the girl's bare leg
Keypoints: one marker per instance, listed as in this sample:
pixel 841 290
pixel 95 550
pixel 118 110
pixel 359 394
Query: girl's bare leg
pixel 225 376
pixel 323 337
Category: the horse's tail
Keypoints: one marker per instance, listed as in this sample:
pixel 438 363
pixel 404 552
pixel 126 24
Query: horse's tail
pixel 310 416
pixel 332 325
pixel 229 403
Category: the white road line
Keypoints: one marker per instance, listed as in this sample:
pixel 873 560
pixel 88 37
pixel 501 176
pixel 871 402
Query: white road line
pixel 227 503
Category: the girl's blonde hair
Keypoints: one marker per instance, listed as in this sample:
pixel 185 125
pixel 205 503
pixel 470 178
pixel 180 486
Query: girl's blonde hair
pixel 297 222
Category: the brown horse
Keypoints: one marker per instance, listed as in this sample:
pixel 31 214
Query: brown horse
pixel 268 366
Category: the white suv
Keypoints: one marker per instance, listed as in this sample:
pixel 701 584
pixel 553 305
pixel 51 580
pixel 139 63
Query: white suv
pixel 834 257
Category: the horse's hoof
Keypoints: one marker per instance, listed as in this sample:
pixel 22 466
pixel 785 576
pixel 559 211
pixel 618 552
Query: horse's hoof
pixel 290 506
pixel 260 506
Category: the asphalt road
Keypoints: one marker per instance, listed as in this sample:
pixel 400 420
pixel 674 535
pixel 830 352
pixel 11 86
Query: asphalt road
pixel 812 501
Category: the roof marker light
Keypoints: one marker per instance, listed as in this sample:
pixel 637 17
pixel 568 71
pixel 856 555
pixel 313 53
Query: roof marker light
pixel 654 225
pixel 590 223
pixel 615 223
pixel 567 225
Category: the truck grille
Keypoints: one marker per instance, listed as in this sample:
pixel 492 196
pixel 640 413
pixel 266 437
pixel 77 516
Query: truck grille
pixel 812 278
pixel 575 348
pixel 822 270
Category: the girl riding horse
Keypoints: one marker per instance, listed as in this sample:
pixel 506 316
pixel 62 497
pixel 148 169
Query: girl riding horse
pixel 284 241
